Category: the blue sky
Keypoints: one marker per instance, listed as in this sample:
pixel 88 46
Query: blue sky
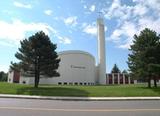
pixel 71 24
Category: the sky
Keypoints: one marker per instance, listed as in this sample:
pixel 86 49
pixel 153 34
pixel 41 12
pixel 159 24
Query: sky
pixel 71 24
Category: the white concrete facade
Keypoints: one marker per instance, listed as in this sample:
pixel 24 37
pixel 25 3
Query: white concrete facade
pixel 10 77
pixel 76 68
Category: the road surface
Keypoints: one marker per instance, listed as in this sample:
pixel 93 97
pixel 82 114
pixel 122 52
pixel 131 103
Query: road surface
pixel 35 107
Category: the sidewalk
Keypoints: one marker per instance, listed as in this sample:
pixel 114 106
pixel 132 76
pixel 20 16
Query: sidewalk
pixel 78 98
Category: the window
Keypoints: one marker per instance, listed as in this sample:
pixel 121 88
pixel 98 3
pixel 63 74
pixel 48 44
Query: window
pixel 59 83
pixel 24 82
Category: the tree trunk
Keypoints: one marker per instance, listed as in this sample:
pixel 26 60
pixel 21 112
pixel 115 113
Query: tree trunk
pixel 36 82
pixel 149 82
pixel 155 82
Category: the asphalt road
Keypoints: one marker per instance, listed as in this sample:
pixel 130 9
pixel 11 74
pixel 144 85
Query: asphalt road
pixel 35 107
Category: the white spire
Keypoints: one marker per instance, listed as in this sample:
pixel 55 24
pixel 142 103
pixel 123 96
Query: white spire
pixel 101 51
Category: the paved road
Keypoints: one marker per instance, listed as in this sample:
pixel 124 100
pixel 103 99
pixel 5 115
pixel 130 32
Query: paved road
pixel 35 107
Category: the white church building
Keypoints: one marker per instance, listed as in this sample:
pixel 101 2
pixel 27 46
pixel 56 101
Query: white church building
pixel 76 67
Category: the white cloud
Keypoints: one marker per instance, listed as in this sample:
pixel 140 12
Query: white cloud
pixel 115 4
pixel 105 28
pixel 21 5
pixel 126 45
pixel 150 4
pixel 13 32
pixel 114 10
pixel 71 21
pixel 65 40
pixel 84 25
pixel 128 29
pixel 48 12
pixel 140 10
pixel 132 19
pixel 92 8
pixel 148 22
pixel 84 6
pixel 90 29
pixel 124 12
pixel 117 10
pixel 116 35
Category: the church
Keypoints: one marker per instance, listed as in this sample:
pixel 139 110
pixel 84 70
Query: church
pixel 76 67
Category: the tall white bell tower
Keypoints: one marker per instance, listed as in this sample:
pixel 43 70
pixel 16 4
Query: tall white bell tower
pixel 101 51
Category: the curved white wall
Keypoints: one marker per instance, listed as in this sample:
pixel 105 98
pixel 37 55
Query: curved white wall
pixel 76 67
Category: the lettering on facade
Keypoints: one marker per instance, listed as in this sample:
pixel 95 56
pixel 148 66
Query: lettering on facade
pixel 79 67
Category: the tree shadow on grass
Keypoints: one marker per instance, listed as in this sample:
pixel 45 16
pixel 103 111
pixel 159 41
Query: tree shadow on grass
pixel 52 91
pixel 154 89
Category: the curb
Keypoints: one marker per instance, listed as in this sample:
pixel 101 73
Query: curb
pixel 78 98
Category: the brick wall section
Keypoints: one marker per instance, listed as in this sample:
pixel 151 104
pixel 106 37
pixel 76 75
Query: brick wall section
pixel 16 77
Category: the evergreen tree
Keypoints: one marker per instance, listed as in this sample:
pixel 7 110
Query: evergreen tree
pixel 125 71
pixel 144 59
pixel 3 76
pixel 37 57
pixel 115 69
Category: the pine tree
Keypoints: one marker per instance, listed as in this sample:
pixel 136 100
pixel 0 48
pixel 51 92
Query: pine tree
pixel 3 76
pixel 125 71
pixel 143 61
pixel 37 57
pixel 115 69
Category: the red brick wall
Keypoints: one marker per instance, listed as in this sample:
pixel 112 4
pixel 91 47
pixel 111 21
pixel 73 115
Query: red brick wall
pixel 16 77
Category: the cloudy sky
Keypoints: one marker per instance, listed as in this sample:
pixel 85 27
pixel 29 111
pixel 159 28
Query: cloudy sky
pixel 71 24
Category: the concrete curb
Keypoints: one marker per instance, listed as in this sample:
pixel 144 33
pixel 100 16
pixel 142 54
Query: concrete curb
pixel 78 98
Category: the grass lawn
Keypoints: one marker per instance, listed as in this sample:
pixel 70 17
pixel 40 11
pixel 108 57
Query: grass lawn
pixel 86 91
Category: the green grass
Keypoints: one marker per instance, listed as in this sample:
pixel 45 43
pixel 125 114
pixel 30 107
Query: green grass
pixel 86 91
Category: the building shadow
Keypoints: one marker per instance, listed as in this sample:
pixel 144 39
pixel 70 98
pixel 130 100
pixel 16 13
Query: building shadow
pixel 52 91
